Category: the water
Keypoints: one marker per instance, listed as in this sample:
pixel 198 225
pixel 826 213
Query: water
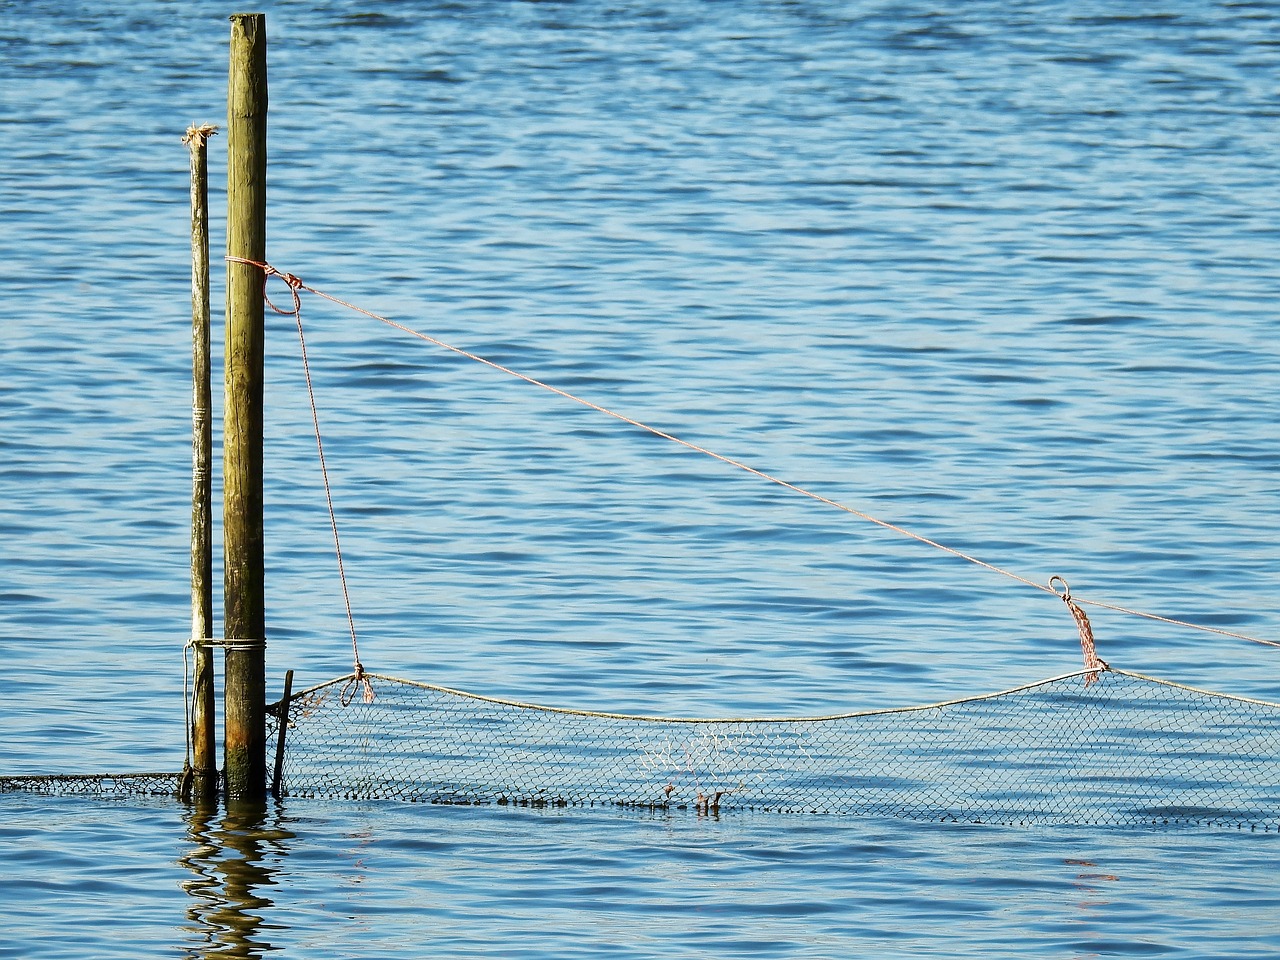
pixel 414 881
pixel 1002 273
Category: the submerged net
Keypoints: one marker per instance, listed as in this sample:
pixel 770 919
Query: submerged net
pixel 95 784
pixel 1092 747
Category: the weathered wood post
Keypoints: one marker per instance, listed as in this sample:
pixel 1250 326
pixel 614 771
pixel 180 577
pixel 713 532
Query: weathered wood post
pixel 204 778
pixel 244 744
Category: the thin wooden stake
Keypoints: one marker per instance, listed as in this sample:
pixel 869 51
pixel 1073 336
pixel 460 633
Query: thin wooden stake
pixel 204 780
pixel 283 719
pixel 244 744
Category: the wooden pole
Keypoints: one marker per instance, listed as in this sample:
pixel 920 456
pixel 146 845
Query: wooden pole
pixel 204 779
pixel 244 743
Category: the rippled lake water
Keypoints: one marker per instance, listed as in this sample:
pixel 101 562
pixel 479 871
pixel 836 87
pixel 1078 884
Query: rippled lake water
pixel 1003 274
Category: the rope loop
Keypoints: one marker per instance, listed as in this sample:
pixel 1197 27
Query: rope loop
pixel 188 695
pixel 293 282
pixel 359 681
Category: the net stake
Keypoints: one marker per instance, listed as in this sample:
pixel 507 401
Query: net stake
pixel 200 779
pixel 283 720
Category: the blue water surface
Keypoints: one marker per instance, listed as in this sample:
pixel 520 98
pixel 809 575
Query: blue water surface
pixel 1000 273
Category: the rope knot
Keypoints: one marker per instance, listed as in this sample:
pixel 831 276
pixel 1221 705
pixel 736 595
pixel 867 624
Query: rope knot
pixel 294 284
pixel 358 681
pixel 1092 661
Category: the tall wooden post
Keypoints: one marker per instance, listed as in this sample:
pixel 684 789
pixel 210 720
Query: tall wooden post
pixel 204 780
pixel 244 745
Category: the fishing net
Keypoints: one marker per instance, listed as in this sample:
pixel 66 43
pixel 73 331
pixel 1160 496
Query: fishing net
pixel 1106 747
pixel 1099 746
pixel 95 784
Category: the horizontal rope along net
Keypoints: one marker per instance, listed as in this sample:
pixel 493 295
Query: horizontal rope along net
pixel 95 784
pixel 1125 749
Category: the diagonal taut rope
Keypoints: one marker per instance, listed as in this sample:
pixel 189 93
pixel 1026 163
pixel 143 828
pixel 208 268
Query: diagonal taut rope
pixel 359 679
pixel 295 284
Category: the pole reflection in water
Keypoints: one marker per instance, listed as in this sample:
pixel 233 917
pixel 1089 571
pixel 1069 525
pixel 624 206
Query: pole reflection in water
pixel 234 856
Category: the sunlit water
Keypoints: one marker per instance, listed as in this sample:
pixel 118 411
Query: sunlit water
pixel 1001 273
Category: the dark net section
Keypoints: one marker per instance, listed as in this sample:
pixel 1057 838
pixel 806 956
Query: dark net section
pixel 96 784
pixel 1121 749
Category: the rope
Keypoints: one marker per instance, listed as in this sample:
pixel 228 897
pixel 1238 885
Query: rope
pixel 1178 623
pixel 189 690
pixel 187 707
pixel 1091 659
pixel 227 643
pixel 295 284
pixel 309 695
pixel 199 135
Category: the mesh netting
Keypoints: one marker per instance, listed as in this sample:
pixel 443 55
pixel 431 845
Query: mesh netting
pixel 1121 748
pixel 96 784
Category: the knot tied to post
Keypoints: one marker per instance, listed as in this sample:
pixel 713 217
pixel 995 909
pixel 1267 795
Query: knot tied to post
pixel 268 271
pixel 1092 661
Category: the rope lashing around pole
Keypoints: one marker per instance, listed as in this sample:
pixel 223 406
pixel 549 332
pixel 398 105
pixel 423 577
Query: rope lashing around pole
pixel 295 284
pixel 188 691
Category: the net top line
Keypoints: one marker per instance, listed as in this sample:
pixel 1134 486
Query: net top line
pixel 1087 675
